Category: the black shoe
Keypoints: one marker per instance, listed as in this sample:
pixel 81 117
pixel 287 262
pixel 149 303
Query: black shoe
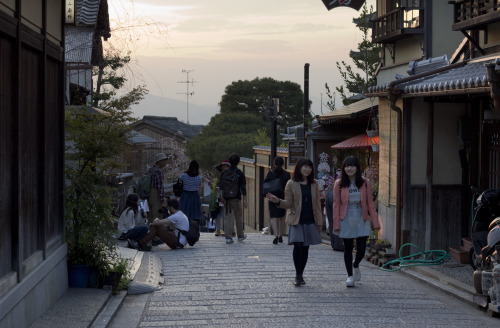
pixel 301 280
pixel 281 239
pixel 297 281
pixel 275 241
pixel 156 242
pixel 122 237
pixel 134 245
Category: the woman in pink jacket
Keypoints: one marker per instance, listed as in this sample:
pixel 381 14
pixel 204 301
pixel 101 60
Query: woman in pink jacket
pixel 353 214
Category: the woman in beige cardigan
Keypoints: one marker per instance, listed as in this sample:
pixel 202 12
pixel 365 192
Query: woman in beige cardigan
pixel 303 204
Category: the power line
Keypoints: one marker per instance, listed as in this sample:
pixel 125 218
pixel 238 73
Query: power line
pixel 187 93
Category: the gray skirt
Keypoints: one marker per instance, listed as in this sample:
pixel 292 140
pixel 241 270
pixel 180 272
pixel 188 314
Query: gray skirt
pixel 304 233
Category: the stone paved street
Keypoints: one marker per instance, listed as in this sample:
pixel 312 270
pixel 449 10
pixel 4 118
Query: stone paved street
pixel 249 284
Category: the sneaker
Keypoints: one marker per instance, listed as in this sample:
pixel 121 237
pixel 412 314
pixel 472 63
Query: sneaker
pixel 302 281
pixel 297 281
pixel 357 273
pixel 350 281
pixel 276 239
pixel 229 240
pixel 133 244
pixel 242 237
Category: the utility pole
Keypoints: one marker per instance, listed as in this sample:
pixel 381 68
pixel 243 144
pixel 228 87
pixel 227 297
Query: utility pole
pixel 187 93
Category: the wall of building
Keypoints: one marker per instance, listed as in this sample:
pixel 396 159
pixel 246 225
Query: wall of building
pixel 444 40
pixel 388 173
pixel 33 272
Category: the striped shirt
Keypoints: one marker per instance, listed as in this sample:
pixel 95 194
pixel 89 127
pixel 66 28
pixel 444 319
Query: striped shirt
pixel 190 183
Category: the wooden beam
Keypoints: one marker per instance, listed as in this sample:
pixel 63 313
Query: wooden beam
pixel 429 172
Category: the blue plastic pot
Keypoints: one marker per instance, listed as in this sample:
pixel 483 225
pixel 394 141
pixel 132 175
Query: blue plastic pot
pixel 78 276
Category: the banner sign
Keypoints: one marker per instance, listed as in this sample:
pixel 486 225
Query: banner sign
pixel 70 12
pixel 296 150
pixel 354 4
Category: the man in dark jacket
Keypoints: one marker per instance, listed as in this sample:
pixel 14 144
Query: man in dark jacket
pixel 234 211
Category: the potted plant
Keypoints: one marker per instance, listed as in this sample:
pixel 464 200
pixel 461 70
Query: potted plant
pixel 93 140
pixel 382 244
pixel 373 238
pixel 117 274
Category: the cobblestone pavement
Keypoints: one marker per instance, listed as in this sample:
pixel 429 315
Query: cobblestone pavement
pixel 250 284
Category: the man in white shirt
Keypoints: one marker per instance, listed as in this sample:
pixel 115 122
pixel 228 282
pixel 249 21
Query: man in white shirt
pixel 167 229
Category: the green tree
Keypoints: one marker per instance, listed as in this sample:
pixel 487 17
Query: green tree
pixel 242 122
pixel 254 97
pixel 365 59
pixel 108 78
pixel 225 134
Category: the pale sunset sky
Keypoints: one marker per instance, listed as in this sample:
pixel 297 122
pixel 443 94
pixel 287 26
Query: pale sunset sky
pixel 222 41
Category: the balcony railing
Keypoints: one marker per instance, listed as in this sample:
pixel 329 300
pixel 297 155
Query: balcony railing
pixel 475 14
pixel 398 23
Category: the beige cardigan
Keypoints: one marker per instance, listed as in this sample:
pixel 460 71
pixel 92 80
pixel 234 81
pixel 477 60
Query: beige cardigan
pixel 293 203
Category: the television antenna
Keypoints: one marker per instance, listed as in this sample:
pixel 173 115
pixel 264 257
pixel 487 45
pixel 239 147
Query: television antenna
pixel 187 93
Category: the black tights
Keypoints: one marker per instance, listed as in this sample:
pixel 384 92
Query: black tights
pixel 360 252
pixel 300 255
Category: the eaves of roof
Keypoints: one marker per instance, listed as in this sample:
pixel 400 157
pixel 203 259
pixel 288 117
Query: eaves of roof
pixel 350 111
pixel 467 78
pixel 172 125
pixel 135 138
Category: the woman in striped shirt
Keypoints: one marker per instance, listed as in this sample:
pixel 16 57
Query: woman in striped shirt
pixel 190 202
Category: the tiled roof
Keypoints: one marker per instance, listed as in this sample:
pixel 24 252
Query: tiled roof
pixel 135 137
pixel 469 77
pixel 173 125
pixel 351 111
pixel 86 12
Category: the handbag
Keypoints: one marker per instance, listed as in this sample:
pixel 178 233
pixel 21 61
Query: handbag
pixel 271 186
pixel 178 187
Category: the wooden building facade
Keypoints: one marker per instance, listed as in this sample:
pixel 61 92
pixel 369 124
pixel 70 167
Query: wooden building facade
pixel 33 272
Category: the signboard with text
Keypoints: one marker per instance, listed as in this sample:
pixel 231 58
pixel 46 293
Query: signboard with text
pixel 296 150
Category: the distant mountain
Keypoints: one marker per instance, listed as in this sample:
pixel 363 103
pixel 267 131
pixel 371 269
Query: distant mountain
pixel 162 106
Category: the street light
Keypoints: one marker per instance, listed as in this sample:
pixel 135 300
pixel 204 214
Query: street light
pixel 274 109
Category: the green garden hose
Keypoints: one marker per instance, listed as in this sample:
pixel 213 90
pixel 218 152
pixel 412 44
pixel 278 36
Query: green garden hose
pixel 432 257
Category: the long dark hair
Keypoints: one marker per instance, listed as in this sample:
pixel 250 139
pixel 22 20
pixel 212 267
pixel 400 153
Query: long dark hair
pixel 297 174
pixel 344 178
pixel 278 165
pixel 131 203
pixel 193 169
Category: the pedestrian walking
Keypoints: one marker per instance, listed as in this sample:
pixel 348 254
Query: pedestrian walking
pixel 277 214
pixel 353 214
pixel 302 199
pixel 216 206
pixel 233 190
pixel 190 202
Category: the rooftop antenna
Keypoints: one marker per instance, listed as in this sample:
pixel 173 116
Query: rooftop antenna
pixel 187 93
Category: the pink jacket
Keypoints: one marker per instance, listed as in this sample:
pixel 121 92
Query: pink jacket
pixel 340 201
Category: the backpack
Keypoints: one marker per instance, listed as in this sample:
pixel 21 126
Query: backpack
pixel 193 234
pixel 144 184
pixel 229 183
